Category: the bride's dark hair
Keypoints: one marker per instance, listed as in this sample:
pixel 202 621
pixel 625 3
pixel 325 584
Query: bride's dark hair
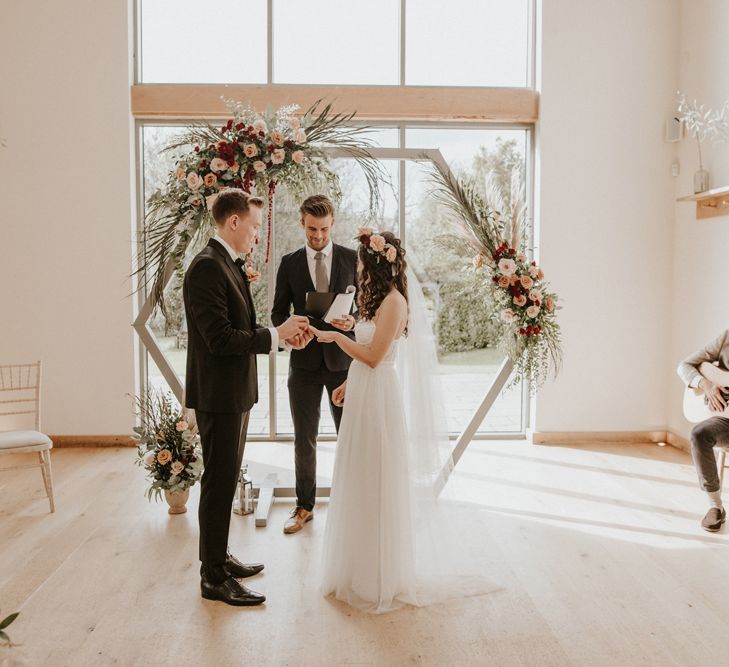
pixel 377 275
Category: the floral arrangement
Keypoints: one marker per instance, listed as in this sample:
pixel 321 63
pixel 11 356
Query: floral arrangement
pixel 376 244
pixel 521 302
pixel 4 638
pixel 253 151
pixel 167 448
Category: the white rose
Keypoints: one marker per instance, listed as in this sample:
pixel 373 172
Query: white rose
pixel 532 311
pixel 218 165
pixel 260 125
pixel 259 165
pixel 193 181
pixel 278 156
pixel 507 266
pixel 149 458
pixel 177 467
pixel 507 315
pixel 297 156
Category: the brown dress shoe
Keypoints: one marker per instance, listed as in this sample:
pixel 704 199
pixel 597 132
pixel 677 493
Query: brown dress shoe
pixel 296 521
pixel 713 519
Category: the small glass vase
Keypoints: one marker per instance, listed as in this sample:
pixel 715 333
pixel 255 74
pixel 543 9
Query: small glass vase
pixel 701 181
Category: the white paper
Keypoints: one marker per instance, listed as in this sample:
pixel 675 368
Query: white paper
pixel 340 308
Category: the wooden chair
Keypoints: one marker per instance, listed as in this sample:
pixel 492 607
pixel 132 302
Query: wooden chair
pixel 20 395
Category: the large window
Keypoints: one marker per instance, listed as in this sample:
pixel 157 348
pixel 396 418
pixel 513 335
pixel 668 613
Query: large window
pixel 393 43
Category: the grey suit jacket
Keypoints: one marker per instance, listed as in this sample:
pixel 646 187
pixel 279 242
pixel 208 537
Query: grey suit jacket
pixel 716 350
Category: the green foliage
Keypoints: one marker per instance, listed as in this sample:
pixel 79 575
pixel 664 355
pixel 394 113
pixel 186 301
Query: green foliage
pixel 4 638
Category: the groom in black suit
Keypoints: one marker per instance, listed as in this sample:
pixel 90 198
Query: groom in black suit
pixel 320 266
pixel 221 382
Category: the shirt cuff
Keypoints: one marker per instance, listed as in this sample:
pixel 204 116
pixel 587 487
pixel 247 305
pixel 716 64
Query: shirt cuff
pixel 274 339
pixel 694 383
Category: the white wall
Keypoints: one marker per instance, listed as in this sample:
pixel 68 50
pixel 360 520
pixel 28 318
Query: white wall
pixel 701 252
pixel 66 214
pixel 608 78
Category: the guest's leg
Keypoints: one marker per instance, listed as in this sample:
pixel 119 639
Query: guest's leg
pixel 704 437
pixel 305 391
pixel 222 438
pixel 335 379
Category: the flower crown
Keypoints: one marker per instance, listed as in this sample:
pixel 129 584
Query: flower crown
pixel 376 244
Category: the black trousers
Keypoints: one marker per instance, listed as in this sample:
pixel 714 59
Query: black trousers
pixel 223 439
pixel 704 436
pixel 305 392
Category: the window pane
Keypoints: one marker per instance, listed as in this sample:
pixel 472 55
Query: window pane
pixel 467 43
pixel 181 43
pixel 330 41
pixel 468 359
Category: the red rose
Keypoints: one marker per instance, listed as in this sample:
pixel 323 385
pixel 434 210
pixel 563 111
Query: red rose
pixel 261 134
pixel 239 126
pixel 197 149
pixel 522 332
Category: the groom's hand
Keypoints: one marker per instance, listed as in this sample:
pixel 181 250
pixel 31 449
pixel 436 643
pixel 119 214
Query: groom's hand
pixel 295 325
pixel 338 395
pixel 345 323
pixel 300 341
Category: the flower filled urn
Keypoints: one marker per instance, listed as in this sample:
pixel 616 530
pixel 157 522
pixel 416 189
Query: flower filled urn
pixel 177 500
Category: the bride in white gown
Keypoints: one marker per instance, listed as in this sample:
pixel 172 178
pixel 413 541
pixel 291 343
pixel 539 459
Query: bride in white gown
pixel 387 541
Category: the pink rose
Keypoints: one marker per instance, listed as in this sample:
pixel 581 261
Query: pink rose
pixel 532 311
pixel 297 156
pixel 549 303
pixel 250 150
pixel 193 181
pixel 533 271
pixel 507 315
pixel 278 156
pixel 391 253
pixel 504 281
pixel 300 137
pixel 182 425
pixel 217 165
pixel 277 138
pixel 507 266
pixel 177 467
pixel 259 166
pixel 535 295
pixel 210 180
pixel 164 456
pixel 377 243
pixel 526 282
pixel 294 123
pixel 520 300
pixel 179 173
pixel 540 274
pixel 521 257
pixel 260 126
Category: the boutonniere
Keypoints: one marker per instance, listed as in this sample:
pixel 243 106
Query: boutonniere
pixel 252 275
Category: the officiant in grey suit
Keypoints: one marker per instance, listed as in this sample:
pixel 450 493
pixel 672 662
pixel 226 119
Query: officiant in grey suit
pixel 321 266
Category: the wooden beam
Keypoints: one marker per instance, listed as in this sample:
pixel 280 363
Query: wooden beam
pixel 372 103
pixel 92 441
pixel 594 437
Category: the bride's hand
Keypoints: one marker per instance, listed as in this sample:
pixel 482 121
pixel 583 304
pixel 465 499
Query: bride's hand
pixel 338 394
pixel 323 336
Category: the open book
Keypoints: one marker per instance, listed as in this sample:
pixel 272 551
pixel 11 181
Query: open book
pixel 328 306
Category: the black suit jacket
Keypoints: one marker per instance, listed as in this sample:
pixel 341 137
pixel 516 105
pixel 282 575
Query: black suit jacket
pixel 223 338
pixel 293 281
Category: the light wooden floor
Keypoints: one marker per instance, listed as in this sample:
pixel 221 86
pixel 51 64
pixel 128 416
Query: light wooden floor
pixel 598 552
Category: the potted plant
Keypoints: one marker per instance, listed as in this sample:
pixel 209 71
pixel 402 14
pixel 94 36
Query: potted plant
pixel 168 448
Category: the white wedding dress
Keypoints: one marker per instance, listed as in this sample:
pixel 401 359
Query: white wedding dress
pixel 389 540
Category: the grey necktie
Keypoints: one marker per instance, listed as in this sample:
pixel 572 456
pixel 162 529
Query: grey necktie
pixel 320 271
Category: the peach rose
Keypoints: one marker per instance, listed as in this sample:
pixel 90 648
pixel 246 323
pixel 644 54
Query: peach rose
pixel 513 279
pixel 300 137
pixel 210 180
pixel 364 231
pixel 259 166
pixel 297 156
pixel 235 167
pixel 507 266
pixel 533 272
pixel 477 261
pixel 181 426
pixel 250 150
pixel 507 315
pixel 217 165
pixel 277 138
pixel 278 156
pixel 294 123
pixel 179 173
pixel 391 253
pixel 520 300
pixel 164 456
pixel 252 274
pixel 177 467
pixel 540 274
pixel 532 311
pixel 526 282
pixel 260 125
pixel 193 181
pixel 377 243
pixel 504 281
pixel 196 201
pixel 549 303
pixel 521 257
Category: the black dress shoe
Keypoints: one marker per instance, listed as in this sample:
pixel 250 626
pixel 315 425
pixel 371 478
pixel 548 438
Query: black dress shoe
pixel 713 519
pixel 231 592
pixel 241 570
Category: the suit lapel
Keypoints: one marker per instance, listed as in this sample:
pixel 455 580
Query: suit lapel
pixel 336 256
pixel 302 269
pixel 237 276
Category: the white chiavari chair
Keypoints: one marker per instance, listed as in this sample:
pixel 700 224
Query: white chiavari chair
pixel 20 386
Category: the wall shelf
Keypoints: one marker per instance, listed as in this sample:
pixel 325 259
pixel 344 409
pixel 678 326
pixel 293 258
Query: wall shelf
pixel 711 203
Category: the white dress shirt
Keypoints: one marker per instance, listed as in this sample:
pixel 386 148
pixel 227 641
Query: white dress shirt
pixel 234 255
pixel 311 260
